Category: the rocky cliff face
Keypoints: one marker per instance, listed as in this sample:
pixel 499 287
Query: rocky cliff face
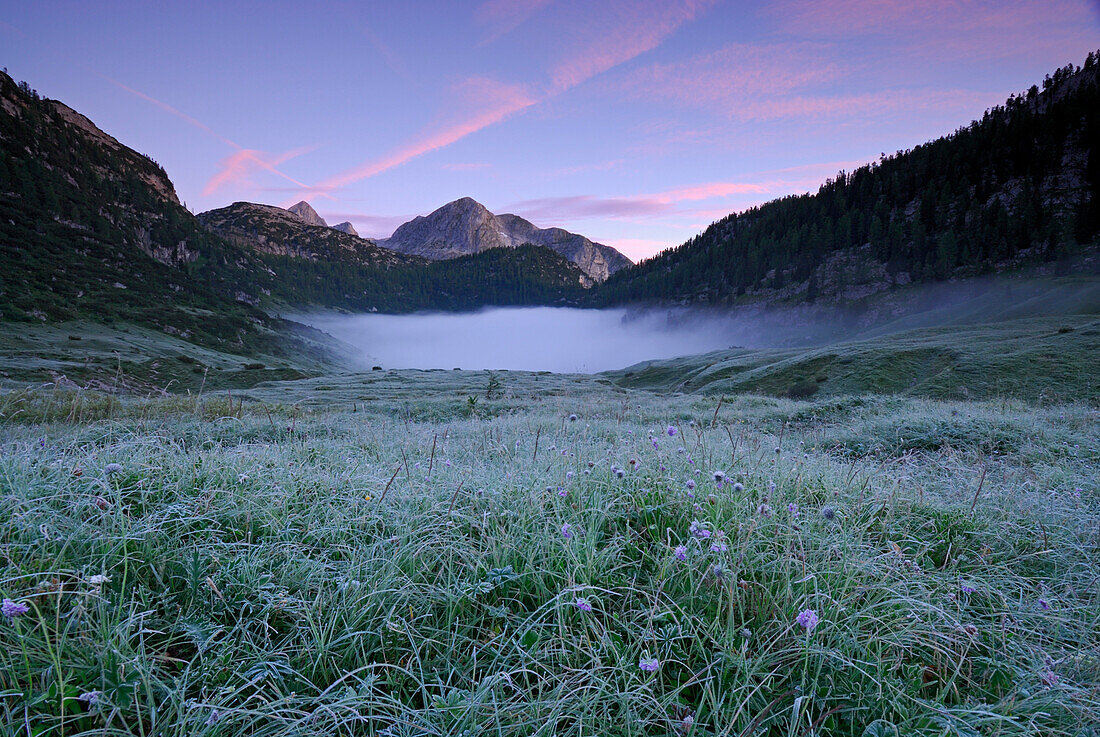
pixel 307 213
pixel 465 226
pixel 346 227
pixel 279 232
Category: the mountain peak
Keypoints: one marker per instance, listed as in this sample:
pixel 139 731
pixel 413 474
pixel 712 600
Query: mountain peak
pixel 307 213
pixel 465 226
pixel 346 227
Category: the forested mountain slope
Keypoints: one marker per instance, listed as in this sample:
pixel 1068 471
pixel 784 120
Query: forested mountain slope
pixel 1021 185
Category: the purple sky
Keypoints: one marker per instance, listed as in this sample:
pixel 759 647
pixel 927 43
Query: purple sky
pixel 634 123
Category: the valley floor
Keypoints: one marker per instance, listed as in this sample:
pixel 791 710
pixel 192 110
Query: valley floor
pixel 437 553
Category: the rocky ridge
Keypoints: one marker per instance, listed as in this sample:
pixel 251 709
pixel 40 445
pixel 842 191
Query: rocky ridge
pixel 465 226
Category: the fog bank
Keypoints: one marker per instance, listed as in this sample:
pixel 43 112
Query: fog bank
pixel 559 339
pixel 569 340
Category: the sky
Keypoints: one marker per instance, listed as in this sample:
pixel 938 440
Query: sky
pixel 634 122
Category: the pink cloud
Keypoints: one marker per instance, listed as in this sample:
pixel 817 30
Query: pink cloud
pixel 173 111
pixel 237 167
pixel 846 18
pixel 501 17
pixel 583 207
pixel 624 32
pixel 631 30
pixel 487 101
pixel 392 60
pixel 762 82
pixel 950 30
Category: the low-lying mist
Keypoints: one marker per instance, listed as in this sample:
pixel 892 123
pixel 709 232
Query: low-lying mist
pixel 569 340
pixel 559 339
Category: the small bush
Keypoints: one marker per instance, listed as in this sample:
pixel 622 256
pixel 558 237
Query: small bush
pixel 803 390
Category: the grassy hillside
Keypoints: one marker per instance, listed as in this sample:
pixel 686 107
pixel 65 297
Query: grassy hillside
pixel 1019 186
pixel 1039 360
pixel 378 554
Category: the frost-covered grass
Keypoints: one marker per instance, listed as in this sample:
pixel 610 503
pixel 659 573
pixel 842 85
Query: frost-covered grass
pixel 424 564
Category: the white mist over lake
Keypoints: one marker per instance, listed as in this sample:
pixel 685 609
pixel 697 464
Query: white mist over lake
pixel 559 339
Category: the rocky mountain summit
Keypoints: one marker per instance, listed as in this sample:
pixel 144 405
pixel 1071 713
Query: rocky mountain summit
pixel 278 232
pixel 465 227
pixel 346 227
pixel 305 212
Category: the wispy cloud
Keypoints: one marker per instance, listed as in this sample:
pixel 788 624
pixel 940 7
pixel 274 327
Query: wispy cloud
pixel 391 59
pixel 501 17
pixel 757 187
pixel 236 167
pixel 625 31
pixel 763 82
pixel 484 101
pixel 942 30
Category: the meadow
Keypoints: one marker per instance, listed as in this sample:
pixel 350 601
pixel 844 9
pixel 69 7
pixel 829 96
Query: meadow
pixel 464 553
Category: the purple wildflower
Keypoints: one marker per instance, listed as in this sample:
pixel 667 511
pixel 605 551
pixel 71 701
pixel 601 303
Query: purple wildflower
pixel 1044 605
pixel 764 510
pixel 649 665
pixel 565 532
pixel 828 513
pixel 12 609
pixel 793 509
pixel 698 530
pixel 583 604
pixel 807 618
pixel 655 446
pixel 681 552
pixel 690 484
pixel 671 431
pixel 967 589
pixel 91 698
pixel 1049 677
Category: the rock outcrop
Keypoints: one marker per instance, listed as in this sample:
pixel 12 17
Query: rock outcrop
pixel 465 226
pixel 346 227
pixel 273 230
pixel 305 212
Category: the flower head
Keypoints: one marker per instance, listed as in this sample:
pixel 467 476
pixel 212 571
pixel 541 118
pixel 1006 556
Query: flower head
pixel 566 532
pixel 764 510
pixel 12 609
pixel 671 431
pixel 681 552
pixel 967 589
pixel 690 484
pixel 572 418
pixel 697 529
pixel 828 513
pixel 793 509
pixel 91 698
pixel 1044 605
pixel 583 604
pixel 649 665
pixel 112 468
pixel 807 618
